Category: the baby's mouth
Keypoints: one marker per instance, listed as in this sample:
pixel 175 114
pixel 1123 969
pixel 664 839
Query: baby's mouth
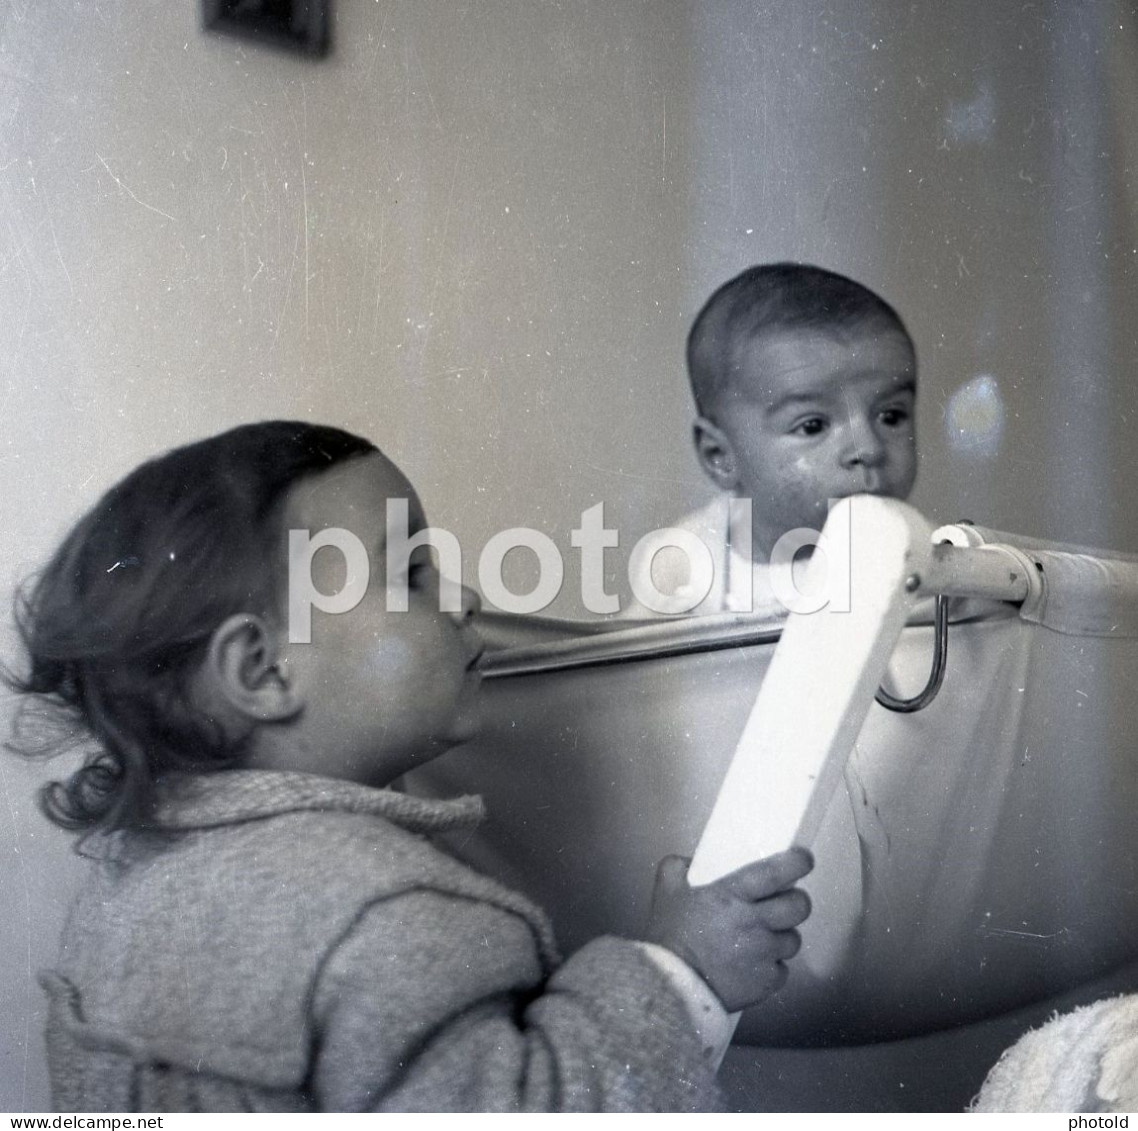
pixel 870 485
pixel 878 481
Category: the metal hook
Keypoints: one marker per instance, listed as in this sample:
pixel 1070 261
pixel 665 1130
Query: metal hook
pixel 936 676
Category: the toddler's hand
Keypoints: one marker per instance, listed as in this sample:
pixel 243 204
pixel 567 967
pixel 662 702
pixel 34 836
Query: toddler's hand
pixel 738 932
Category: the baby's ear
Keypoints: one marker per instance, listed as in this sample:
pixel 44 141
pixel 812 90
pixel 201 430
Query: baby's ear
pixel 243 671
pixel 716 456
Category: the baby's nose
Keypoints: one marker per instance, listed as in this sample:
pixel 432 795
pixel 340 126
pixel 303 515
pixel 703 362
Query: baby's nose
pixel 864 446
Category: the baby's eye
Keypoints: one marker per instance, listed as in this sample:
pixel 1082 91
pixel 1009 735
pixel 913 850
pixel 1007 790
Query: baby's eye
pixel 811 426
pixel 894 416
pixel 417 574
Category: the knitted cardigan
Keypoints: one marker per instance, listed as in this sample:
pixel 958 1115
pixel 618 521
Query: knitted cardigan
pixel 285 942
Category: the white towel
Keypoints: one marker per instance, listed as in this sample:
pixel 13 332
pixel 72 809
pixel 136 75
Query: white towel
pixel 1086 1060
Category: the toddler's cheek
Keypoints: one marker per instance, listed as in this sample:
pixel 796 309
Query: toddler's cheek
pixel 387 656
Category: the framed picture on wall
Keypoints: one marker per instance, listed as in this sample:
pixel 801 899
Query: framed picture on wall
pixel 296 25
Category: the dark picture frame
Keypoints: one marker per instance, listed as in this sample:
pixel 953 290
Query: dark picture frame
pixel 300 26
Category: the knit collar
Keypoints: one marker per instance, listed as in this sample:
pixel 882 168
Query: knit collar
pixel 228 797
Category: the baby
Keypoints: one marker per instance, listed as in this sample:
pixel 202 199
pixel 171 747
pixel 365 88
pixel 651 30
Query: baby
pixel 804 384
pixel 267 925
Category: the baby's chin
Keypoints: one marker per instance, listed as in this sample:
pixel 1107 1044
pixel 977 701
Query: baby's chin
pixel 878 490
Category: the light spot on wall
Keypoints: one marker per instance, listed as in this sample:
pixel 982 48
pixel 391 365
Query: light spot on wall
pixel 974 418
pixel 972 121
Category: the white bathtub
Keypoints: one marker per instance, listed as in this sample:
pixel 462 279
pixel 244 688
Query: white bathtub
pixel 982 858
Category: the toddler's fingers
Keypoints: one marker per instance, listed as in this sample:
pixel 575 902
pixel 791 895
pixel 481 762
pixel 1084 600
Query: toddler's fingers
pixel 787 944
pixel 771 875
pixel 781 973
pixel 672 871
pixel 785 910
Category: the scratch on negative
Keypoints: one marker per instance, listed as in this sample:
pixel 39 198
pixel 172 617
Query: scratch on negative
pixel 21 867
pixel 1032 936
pixel 59 254
pixel 304 188
pixel 126 189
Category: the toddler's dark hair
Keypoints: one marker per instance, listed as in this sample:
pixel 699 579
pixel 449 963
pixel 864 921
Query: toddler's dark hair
pixel 767 298
pixel 121 615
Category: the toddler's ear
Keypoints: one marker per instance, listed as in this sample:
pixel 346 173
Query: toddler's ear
pixel 716 456
pixel 243 671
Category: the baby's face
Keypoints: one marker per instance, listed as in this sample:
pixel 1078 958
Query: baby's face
pixel 384 689
pixel 818 415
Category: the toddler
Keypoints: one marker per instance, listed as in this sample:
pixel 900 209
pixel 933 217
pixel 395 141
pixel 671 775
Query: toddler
pixel 804 384
pixel 267 925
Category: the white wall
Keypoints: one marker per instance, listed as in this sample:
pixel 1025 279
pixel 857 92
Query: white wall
pixel 478 231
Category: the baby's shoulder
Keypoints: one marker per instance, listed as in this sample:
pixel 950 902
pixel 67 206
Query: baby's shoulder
pixel 688 543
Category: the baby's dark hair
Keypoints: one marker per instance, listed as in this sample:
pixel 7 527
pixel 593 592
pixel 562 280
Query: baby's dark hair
pixel 768 298
pixel 118 620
